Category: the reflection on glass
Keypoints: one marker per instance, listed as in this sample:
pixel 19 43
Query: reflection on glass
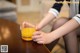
pixel 5 32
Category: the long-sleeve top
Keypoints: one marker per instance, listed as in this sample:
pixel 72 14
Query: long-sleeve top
pixel 55 9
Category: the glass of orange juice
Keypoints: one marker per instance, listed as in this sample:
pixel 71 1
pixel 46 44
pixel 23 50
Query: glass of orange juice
pixel 27 33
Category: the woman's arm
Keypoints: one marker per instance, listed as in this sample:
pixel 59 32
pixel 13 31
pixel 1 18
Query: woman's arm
pixel 46 38
pixel 48 18
pixel 52 14
pixel 66 28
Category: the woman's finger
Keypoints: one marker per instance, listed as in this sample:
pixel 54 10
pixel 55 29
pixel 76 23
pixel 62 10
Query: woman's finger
pixel 37 33
pixel 23 25
pixel 40 42
pixel 37 28
pixel 29 24
pixel 36 37
pixel 37 40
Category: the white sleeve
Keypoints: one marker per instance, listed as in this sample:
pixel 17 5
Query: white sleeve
pixel 54 12
pixel 77 18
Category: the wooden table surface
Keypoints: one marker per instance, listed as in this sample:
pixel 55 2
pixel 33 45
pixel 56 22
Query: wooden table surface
pixel 10 35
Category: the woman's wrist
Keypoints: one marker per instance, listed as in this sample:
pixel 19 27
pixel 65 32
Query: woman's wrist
pixel 54 35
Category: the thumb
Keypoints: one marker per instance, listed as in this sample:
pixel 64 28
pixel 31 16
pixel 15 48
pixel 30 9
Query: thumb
pixel 24 25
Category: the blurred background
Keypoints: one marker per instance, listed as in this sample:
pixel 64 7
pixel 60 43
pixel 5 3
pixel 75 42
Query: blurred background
pixel 33 11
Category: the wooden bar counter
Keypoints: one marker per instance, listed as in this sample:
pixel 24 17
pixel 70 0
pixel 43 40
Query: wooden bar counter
pixel 10 35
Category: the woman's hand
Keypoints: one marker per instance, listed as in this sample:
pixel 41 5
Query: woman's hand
pixel 26 24
pixel 42 38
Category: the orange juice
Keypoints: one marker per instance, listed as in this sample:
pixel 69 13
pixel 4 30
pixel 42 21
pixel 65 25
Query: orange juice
pixel 27 33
